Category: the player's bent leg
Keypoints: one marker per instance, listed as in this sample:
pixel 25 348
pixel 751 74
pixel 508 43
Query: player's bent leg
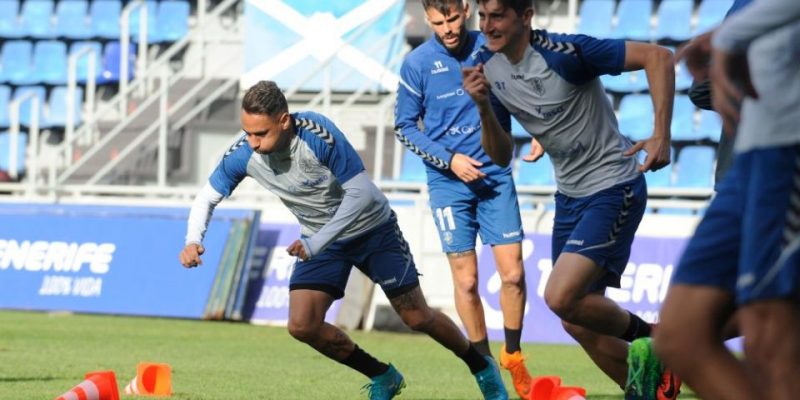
pixel 607 352
pixel 689 340
pixel 415 312
pixel 464 268
pixel 306 323
pixel 771 330
pixel 567 295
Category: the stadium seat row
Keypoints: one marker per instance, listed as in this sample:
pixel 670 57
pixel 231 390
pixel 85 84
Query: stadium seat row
pixel 633 19
pixel 694 169
pixel 23 63
pixel 52 109
pixel 167 20
pixel 636 118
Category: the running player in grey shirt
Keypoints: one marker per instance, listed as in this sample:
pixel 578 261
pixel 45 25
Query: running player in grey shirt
pixel 549 82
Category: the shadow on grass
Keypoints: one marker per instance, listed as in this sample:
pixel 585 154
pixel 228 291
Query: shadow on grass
pixel 618 396
pixel 28 378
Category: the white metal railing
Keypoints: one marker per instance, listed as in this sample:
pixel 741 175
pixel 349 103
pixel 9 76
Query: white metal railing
pixel 33 144
pixel 118 104
pixel 72 85
pixel 125 40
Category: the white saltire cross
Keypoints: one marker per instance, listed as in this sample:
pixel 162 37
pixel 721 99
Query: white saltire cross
pixel 322 38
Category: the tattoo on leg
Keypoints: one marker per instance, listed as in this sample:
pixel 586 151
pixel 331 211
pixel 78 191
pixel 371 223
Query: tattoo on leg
pixel 461 254
pixel 336 347
pixel 408 301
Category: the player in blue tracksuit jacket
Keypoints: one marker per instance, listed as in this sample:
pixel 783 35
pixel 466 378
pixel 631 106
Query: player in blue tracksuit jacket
pixel 469 194
pixel 345 221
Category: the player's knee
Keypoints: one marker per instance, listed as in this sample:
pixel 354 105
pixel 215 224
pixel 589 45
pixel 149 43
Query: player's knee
pixel 514 277
pixel 561 303
pixel 466 285
pixel 418 320
pixel 303 331
pixel 577 332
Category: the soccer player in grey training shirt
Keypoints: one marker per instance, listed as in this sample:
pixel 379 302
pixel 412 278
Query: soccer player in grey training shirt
pixel 549 82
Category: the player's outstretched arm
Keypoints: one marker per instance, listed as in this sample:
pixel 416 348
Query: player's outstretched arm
pixel 659 66
pixel 199 216
pixel 495 140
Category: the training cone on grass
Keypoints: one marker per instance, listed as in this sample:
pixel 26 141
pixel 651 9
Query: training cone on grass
pixel 543 387
pixel 569 393
pixel 98 385
pixel 151 379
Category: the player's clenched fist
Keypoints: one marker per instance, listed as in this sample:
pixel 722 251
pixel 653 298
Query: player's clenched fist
pixel 190 256
pixel 476 84
pixel 296 249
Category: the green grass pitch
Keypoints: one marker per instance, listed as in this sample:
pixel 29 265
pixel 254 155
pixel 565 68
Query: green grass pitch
pixel 43 355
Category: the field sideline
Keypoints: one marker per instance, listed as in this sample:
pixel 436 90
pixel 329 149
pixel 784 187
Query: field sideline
pixel 43 355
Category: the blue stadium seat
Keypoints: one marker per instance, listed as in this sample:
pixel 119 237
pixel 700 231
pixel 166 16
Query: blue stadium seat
pixel 5 98
pixel 674 18
pixel 539 173
pixel 25 107
pixel 710 13
pixel 683 113
pixel 633 20
pixel 9 23
pixel 49 62
pixel 34 19
pixel 152 27
pixel 16 62
pixel 111 62
pixel 636 116
pixel 517 130
pixel 695 167
pixel 57 106
pixel 22 143
pixel 83 62
pixel 595 17
pixel 709 126
pixel 104 17
pixel 173 20
pixel 412 168
pixel 71 20
pixel 626 82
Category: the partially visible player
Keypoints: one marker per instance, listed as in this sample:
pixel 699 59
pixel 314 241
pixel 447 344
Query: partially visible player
pixel 744 255
pixel 469 194
pixel 346 221
pixel 549 82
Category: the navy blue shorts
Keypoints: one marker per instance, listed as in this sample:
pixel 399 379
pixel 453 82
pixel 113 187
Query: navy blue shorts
pixel 601 227
pixel 382 254
pixel 487 207
pixel 744 244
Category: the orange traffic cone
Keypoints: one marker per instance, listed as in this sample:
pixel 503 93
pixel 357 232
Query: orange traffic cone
pixel 543 387
pixel 98 385
pixel 569 393
pixel 151 379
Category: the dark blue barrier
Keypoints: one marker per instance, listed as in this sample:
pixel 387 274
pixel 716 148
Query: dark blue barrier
pixel 107 259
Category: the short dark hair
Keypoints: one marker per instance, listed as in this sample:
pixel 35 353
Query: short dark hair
pixel 519 6
pixel 443 6
pixel 264 98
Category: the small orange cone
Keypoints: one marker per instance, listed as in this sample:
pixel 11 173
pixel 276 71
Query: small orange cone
pixel 569 393
pixel 543 387
pixel 151 379
pixel 98 385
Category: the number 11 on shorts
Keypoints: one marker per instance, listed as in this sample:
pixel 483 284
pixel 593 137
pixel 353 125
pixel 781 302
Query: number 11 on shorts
pixel 445 215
